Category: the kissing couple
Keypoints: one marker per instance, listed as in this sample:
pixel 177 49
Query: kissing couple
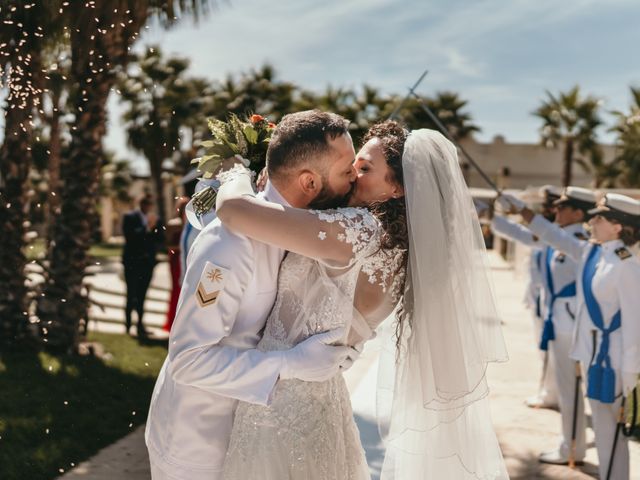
pixel 285 286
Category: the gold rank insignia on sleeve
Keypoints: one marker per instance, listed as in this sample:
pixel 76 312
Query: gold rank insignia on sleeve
pixel 623 253
pixel 211 284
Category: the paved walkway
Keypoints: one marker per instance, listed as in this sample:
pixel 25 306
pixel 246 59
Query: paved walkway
pixel 522 432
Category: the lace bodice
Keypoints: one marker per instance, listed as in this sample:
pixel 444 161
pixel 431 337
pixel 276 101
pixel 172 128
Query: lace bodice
pixel 314 296
pixel 308 430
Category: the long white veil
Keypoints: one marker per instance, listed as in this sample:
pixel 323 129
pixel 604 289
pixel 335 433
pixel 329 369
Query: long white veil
pixel 432 392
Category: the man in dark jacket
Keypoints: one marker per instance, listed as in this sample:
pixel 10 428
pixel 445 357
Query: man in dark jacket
pixel 143 234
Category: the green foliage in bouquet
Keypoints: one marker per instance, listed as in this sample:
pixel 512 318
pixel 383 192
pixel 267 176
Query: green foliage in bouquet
pixel 248 139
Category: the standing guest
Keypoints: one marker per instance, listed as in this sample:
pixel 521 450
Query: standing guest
pixel 143 233
pixel 607 330
pixel 175 231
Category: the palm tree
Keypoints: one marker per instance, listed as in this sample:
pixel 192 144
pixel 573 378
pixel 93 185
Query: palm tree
pixel 370 107
pixel 161 101
pixel 571 121
pixel 447 107
pixel 57 94
pixel 100 34
pixel 21 40
pixel 628 142
pixel 257 91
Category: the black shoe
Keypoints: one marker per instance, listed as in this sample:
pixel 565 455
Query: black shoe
pixel 142 332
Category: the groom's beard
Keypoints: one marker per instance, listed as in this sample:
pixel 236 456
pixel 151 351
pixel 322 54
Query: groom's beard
pixel 328 199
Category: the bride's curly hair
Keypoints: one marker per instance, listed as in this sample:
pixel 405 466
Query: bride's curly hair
pixel 392 213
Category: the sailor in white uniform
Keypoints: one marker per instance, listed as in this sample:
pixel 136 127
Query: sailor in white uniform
pixel 607 336
pixel 559 274
pixel 547 395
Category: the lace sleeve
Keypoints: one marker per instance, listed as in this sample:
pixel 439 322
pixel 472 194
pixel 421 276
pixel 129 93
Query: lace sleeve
pixel 336 237
pixel 354 226
pixel 385 269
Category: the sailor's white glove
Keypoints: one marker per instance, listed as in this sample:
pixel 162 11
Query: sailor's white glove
pixel 509 203
pixel 315 359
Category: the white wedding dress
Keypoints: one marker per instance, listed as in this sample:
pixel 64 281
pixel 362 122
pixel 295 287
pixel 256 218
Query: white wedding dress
pixel 432 397
pixel 308 431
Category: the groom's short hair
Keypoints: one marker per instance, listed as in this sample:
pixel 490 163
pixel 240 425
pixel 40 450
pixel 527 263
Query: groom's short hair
pixel 303 137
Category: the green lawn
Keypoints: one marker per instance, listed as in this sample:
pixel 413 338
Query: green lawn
pixel 56 411
pixel 99 250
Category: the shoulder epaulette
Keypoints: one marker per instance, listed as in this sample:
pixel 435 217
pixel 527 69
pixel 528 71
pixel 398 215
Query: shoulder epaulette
pixel 623 253
pixel 581 236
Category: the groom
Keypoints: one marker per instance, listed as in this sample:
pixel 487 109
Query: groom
pixel 229 288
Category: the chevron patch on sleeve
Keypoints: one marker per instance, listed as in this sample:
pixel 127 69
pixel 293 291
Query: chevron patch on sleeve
pixel 211 284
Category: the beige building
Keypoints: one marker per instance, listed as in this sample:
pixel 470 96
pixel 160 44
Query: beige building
pixel 528 164
pixel 111 210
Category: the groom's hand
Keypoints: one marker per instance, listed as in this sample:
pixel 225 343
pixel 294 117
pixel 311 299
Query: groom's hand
pixel 315 359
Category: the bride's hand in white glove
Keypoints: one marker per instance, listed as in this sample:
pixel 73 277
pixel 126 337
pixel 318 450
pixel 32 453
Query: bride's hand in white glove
pixel 316 359
pixel 230 162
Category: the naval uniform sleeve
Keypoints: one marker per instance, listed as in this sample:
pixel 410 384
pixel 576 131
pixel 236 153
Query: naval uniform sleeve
pixel 559 239
pixel 220 268
pixel 510 230
pixel 629 306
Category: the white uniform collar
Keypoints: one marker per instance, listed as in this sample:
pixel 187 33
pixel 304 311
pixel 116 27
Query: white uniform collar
pixel 612 245
pixel 272 194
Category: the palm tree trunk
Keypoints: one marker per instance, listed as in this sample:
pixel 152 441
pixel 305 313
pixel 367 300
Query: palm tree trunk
pixel 15 160
pixel 53 202
pixel 64 306
pixel 156 176
pixel 568 163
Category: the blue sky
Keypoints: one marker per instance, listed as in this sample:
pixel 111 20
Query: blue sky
pixel 500 55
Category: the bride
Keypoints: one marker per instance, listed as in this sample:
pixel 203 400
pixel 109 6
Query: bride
pixel 410 242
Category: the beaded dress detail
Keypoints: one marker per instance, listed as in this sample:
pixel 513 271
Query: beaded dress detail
pixel 308 430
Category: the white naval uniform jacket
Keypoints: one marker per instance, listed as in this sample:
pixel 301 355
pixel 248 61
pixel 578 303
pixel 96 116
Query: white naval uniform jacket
pixel 615 287
pixel 212 361
pixel 516 232
pixel 564 270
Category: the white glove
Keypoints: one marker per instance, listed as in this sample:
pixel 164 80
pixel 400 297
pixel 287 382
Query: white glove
pixel 355 353
pixel 315 359
pixel 509 203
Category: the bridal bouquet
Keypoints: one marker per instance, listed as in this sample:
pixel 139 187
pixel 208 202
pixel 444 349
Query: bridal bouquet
pixel 247 140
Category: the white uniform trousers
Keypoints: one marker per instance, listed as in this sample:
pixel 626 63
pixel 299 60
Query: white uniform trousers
pixel 548 393
pixel 565 372
pixel 604 417
pixel 160 473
